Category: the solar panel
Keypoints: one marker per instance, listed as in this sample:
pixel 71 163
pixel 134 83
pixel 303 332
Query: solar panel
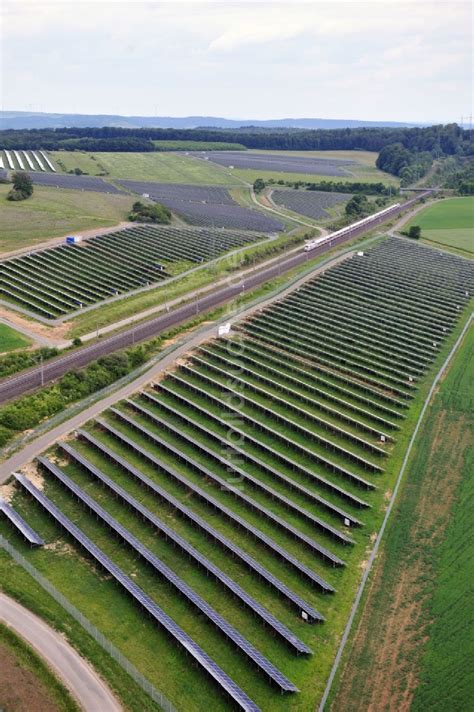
pixel 170 534
pixel 221 623
pixel 303 607
pixel 17 520
pixel 233 468
pixel 251 529
pixel 328 484
pixel 227 684
pixel 263 465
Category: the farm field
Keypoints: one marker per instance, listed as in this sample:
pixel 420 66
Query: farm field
pixel 26 681
pixel 51 213
pixel 320 409
pixel 418 655
pixel 311 203
pixel 157 167
pixel 162 145
pixel 448 222
pixel 11 339
pixel 65 278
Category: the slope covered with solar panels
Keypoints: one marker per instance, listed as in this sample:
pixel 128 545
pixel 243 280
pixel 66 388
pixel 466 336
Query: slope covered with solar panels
pixel 35 161
pixel 278 162
pixel 205 206
pixel 312 203
pixel 243 488
pixel 62 279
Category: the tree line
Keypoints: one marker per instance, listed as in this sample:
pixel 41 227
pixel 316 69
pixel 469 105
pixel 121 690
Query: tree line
pixel 439 140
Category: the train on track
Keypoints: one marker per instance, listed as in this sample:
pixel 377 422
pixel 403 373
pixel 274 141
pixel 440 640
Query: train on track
pixel 313 244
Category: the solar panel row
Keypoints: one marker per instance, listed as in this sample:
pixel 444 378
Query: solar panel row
pixel 226 683
pixel 23 527
pixel 221 623
pixel 199 558
pixel 301 605
pixel 227 445
pixel 315 579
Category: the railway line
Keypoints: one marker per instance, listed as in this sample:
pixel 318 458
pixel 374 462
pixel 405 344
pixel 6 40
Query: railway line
pixel 17 385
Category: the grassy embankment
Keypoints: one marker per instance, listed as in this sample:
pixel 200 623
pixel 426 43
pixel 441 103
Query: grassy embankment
pixel 413 643
pixel 198 146
pixel 448 222
pixel 26 681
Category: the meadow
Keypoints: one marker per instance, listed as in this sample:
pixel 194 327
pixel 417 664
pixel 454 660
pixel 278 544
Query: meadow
pixel 448 222
pixel 51 212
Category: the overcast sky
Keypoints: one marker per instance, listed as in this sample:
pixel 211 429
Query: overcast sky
pixel 380 60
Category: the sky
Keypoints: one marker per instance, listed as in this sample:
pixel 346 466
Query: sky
pixel 390 60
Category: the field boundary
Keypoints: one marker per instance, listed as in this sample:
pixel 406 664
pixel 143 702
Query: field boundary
pixel 89 627
pixel 376 547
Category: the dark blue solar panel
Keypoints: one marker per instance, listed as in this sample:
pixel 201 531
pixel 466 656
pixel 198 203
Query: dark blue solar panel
pixel 289 595
pixel 260 536
pixel 231 467
pixel 254 606
pixel 227 684
pixel 221 623
pixel 17 520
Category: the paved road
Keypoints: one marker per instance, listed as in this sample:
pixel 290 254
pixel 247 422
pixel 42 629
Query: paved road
pixel 76 674
pixel 33 378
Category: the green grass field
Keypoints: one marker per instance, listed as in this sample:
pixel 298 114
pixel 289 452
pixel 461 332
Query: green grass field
pixel 11 339
pixel 413 641
pixel 52 212
pixel 27 682
pixel 158 167
pixel 448 222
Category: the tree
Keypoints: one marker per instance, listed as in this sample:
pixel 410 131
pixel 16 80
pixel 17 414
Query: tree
pixel 414 232
pixel 22 187
pixel 259 185
pixel 156 213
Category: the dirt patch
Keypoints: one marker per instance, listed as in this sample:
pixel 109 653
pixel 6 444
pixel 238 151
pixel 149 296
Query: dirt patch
pixel 33 474
pixel 20 689
pixel 7 491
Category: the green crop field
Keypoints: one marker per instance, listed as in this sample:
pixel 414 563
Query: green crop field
pixel 413 643
pixel 159 167
pixel 320 404
pixel 448 222
pixel 51 213
pixel 10 339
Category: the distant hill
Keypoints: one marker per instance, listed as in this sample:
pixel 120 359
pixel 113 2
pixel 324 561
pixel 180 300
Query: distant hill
pixel 36 120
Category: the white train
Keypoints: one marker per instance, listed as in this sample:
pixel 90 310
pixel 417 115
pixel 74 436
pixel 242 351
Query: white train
pixel 313 244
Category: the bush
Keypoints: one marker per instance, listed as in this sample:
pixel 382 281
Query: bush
pixel 259 185
pixel 414 232
pixel 156 213
pixel 22 187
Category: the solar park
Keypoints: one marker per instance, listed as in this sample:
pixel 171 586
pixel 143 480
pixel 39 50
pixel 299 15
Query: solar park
pixel 26 160
pixel 233 499
pixel 60 280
